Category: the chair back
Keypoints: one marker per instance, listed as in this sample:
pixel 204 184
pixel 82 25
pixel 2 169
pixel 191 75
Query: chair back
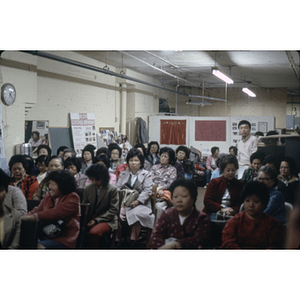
pixel 153 197
pixel 84 208
pixel 216 234
pixel 29 234
pixel 288 208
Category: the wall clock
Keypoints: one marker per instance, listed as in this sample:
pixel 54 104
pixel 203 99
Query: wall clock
pixel 8 94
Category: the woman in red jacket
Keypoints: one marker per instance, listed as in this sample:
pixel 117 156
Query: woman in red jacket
pixel 222 194
pixel 61 203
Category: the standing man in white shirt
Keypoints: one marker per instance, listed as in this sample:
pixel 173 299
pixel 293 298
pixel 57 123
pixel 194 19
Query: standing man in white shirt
pixel 246 146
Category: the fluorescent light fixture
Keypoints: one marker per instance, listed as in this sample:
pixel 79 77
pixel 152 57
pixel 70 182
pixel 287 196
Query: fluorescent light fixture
pixel 247 91
pixel 222 76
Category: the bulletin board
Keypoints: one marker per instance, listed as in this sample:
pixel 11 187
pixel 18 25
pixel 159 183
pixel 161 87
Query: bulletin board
pixel 60 137
pixel 173 132
pixel 210 131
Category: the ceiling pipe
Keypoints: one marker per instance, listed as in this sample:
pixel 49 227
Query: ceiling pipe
pixel 293 65
pixel 107 72
pixel 156 68
pixel 96 69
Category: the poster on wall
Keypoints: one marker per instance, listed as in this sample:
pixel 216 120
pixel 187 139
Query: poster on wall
pixel 173 132
pixel 83 131
pixel 210 131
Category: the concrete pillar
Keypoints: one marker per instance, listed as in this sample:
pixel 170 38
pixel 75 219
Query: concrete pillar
pixel 123 107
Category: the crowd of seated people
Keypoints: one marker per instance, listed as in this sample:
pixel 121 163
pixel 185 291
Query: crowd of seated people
pixel 61 183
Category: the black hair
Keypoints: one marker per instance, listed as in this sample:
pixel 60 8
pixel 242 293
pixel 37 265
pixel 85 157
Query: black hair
pixel 188 184
pixel 184 149
pixel 90 149
pixel 73 161
pixel 234 148
pixel 18 158
pixel 270 171
pixel 70 150
pixel 141 146
pixel 259 133
pixel 270 159
pixel 214 149
pixel 152 143
pixel 228 159
pixel 219 158
pixel 292 164
pixel 35 132
pixel 98 172
pixel 55 157
pixel 45 147
pixel 65 181
pixel 135 152
pixel 61 148
pixel 257 155
pixel 30 163
pixel 41 159
pixel 4 180
pixel 259 189
pixel 114 146
pixel 171 153
pixel 102 158
pixel 244 122
pixel 104 150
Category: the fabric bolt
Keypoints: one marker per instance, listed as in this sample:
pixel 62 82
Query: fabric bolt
pixel 194 232
pixel 241 232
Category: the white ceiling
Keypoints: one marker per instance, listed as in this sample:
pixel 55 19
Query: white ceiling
pixel 253 69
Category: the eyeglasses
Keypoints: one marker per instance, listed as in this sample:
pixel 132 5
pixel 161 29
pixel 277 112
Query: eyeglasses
pixel 153 146
pixel 263 178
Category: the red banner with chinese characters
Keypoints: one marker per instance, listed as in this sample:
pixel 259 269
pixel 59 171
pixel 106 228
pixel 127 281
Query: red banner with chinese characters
pixel 173 132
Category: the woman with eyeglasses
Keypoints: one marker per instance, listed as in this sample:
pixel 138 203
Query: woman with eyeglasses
pixel 275 207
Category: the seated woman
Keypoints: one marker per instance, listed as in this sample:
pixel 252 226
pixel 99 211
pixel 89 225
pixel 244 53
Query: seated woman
pixel 87 157
pixel 182 155
pixel 141 147
pixel 10 222
pixel 163 175
pixel 35 140
pixel 73 165
pixel 181 226
pixel 42 169
pixel 28 184
pixel 60 150
pixel 43 150
pixel 68 152
pixel 153 153
pixel 115 156
pixel 211 163
pixel 104 159
pixel 140 211
pixel 60 203
pixel 222 194
pixel 104 204
pixel 288 180
pixel 216 173
pixel 256 160
pixel 54 163
pixel 275 207
pixel 252 228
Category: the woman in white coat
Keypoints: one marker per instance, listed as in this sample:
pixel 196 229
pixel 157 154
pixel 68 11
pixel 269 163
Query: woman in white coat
pixel 139 214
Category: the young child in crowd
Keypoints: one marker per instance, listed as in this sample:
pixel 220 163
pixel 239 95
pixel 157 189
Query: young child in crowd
pixel 252 228
pixel 181 226
pixel 42 165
